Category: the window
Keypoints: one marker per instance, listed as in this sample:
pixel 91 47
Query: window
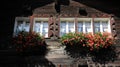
pixel 101 25
pixel 63 28
pixel 21 24
pixel 41 26
pixel 80 26
pixel 84 26
pixel 67 25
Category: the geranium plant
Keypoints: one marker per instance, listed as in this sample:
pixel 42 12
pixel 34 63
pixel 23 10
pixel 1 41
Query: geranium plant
pixel 99 40
pixel 29 42
pixel 100 46
pixel 75 44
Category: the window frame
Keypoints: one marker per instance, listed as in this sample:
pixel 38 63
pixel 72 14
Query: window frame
pixel 41 20
pixel 84 20
pixel 68 20
pixel 24 21
pixel 102 20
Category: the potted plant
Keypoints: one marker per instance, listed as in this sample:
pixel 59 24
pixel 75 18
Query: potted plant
pixel 26 43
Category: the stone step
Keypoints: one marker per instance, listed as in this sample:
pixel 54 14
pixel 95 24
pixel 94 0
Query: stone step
pixel 61 60
pixel 56 54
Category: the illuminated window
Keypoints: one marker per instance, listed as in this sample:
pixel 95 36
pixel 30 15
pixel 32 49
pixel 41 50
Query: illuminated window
pixel 67 25
pixel 21 24
pixel 41 26
pixel 101 25
pixel 84 26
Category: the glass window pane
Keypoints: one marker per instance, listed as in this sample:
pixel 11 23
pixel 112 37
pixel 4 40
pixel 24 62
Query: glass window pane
pixel 37 26
pixel 80 24
pixel 62 28
pixel 27 26
pixel 105 26
pixel 97 29
pixel 104 23
pixel 88 29
pixel 80 29
pixel 71 24
pixel 19 26
pixel 45 29
pixel 71 27
pixel 87 24
pixel 97 24
pixel 45 24
pixel 105 29
pixel 63 24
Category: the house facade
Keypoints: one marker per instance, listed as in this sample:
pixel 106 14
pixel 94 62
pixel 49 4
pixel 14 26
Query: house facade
pixel 75 17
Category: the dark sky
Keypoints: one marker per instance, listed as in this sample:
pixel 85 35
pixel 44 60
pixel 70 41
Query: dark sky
pixel 16 7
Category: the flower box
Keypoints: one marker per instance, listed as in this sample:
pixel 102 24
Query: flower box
pixel 26 43
pixel 99 46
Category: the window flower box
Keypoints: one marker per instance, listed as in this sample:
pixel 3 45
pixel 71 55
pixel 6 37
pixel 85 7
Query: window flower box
pixel 99 46
pixel 75 44
pixel 26 43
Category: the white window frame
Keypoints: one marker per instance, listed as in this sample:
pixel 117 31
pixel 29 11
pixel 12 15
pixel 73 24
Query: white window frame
pixel 67 22
pixel 41 24
pixel 24 19
pixel 84 20
pixel 101 27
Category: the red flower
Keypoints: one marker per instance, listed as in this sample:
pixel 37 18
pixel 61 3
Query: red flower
pixel 26 40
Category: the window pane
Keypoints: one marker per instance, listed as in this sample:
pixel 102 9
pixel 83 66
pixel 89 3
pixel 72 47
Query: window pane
pixel 62 28
pixel 97 29
pixel 80 29
pixel 104 23
pixel 88 29
pixel 63 24
pixel 80 26
pixel 19 26
pixel 70 26
pixel 87 24
pixel 105 29
pixel 105 26
pixel 45 29
pixel 37 26
pixel 96 26
pixel 45 24
pixel 27 26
